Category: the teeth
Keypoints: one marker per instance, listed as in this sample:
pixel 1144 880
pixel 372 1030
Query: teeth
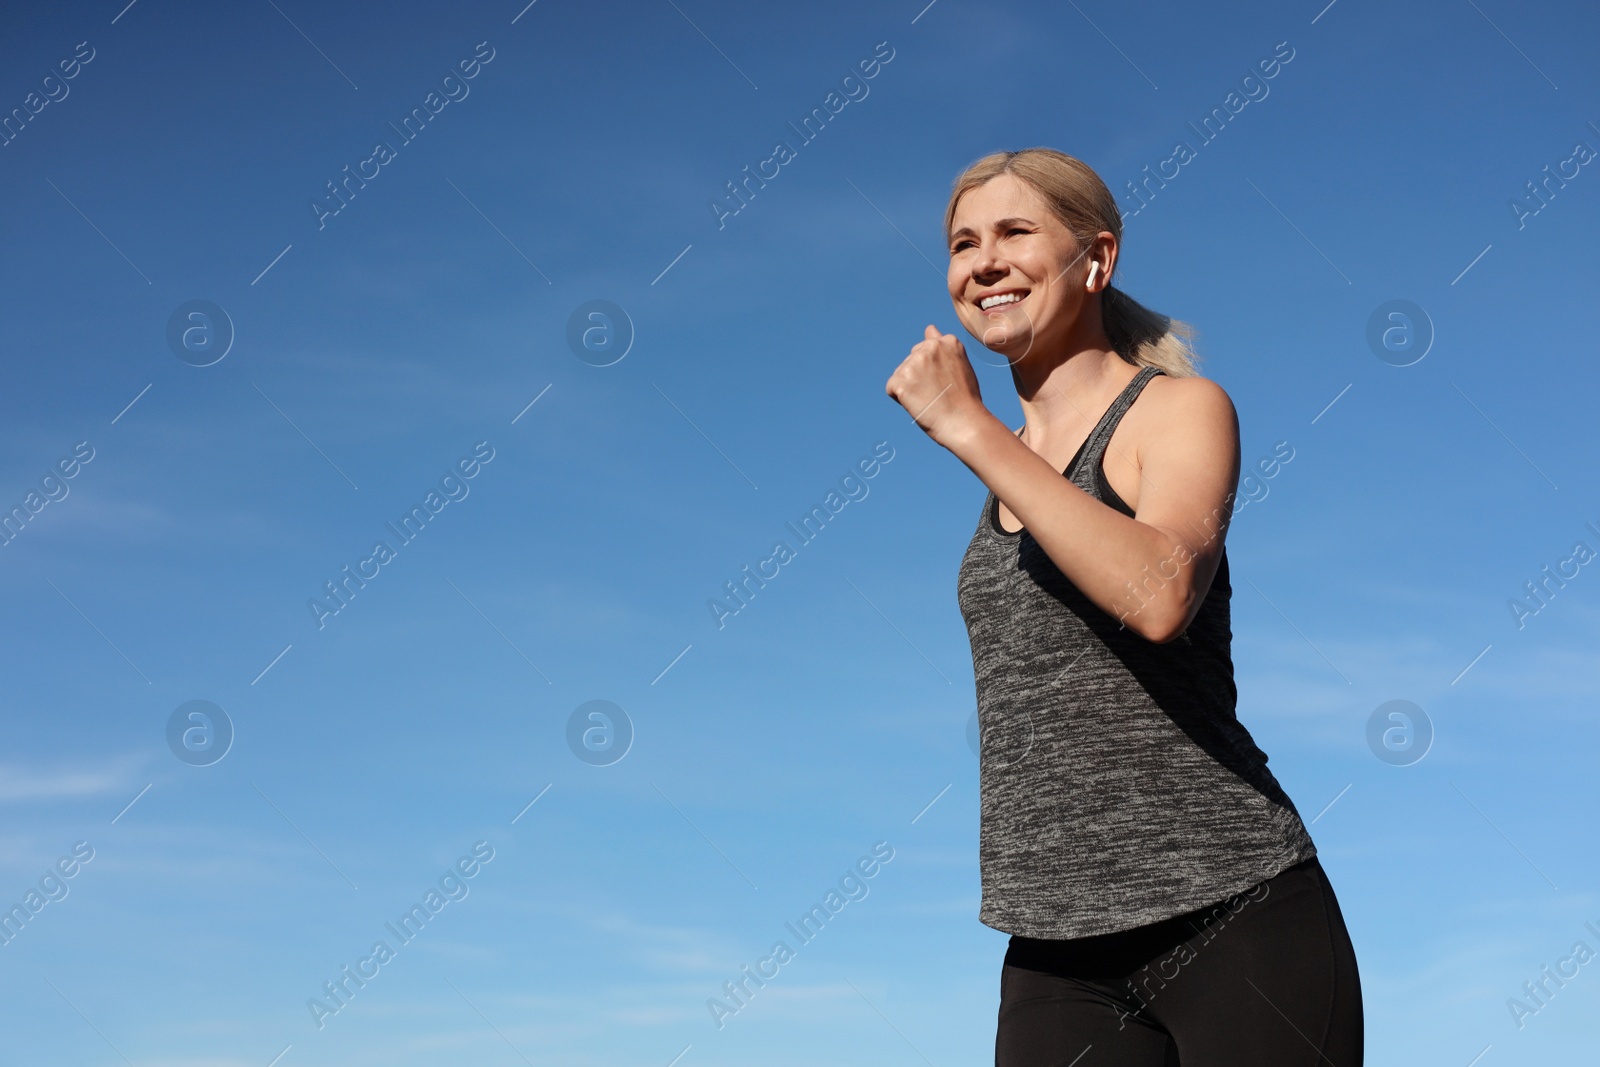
pixel 1004 298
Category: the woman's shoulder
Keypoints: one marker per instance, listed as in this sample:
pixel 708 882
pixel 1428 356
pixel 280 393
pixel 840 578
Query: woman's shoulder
pixel 1193 393
pixel 1186 410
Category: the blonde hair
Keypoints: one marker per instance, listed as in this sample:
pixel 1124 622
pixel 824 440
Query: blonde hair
pixel 1078 197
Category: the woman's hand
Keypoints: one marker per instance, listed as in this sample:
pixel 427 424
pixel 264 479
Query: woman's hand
pixel 936 386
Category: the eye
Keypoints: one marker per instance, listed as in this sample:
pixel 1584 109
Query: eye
pixel 958 246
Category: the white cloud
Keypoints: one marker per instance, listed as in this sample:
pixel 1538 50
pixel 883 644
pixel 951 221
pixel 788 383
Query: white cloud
pixel 28 783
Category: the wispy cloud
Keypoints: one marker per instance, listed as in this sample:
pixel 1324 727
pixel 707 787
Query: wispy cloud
pixel 37 783
pixel 678 949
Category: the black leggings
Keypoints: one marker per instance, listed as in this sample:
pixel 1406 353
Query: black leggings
pixel 1267 978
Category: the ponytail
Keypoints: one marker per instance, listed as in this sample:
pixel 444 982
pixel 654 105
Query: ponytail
pixel 1147 338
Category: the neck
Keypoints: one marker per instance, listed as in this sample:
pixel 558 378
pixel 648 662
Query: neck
pixel 1063 386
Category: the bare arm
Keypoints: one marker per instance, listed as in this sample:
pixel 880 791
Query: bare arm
pixel 1151 571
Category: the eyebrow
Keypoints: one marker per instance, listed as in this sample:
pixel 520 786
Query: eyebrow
pixel 999 225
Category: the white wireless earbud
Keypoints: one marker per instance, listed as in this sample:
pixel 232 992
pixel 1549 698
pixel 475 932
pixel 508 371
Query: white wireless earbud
pixel 1094 268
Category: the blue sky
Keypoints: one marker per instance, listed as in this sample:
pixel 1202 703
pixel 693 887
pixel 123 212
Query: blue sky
pixel 374 349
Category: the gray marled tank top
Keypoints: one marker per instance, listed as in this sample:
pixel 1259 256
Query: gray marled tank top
pixel 1117 787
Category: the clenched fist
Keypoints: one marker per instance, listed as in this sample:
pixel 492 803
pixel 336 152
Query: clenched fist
pixel 936 386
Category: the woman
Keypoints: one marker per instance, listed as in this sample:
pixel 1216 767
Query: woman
pixel 1164 900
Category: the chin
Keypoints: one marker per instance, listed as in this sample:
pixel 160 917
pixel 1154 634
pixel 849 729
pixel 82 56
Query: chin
pixel 1017 341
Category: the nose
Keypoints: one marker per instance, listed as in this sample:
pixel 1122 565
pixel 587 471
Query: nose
pixel 988 264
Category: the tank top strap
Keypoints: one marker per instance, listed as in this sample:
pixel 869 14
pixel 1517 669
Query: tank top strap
pixel 1095 446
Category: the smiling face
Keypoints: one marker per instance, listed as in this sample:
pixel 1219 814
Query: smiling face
pixel 1016 272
